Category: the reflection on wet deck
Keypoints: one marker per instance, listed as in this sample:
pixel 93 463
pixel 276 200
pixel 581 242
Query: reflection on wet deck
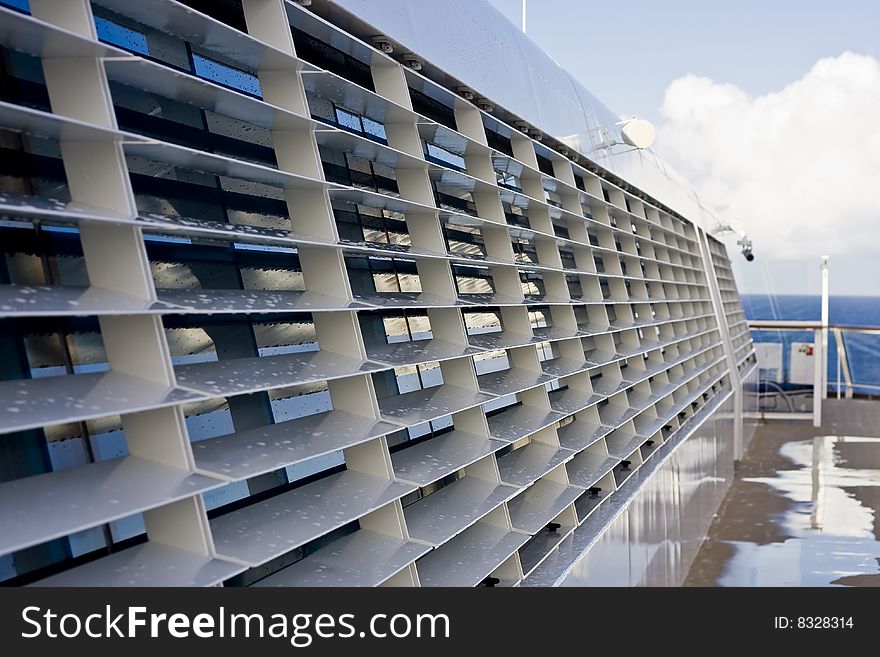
pixel 803 507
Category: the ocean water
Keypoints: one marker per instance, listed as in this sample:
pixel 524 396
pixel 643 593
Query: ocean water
pixel 863 351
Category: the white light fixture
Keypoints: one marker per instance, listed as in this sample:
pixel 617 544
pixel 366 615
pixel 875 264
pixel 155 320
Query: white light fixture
pixel 745 244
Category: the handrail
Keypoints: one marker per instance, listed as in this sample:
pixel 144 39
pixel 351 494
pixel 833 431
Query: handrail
pixel 838 330
pixel 787 324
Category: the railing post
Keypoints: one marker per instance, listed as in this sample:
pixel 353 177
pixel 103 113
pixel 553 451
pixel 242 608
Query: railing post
pixel 817 377
pixel 843 364
pixel 825 327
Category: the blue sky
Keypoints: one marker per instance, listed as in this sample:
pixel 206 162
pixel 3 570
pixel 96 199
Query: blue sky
pixel 627 53
pixel 768 108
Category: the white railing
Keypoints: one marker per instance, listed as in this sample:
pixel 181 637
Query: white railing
pixel 845 385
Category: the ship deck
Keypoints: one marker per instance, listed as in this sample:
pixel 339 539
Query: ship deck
pixel 804 506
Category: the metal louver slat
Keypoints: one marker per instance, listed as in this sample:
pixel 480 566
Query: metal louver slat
pixel 40 508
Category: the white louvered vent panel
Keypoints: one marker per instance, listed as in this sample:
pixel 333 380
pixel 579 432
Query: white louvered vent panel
pixel 269 323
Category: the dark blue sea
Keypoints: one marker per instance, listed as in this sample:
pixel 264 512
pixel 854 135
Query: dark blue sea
pixel 863 351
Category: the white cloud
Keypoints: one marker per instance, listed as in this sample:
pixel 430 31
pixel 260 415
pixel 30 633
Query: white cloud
pixel 799 168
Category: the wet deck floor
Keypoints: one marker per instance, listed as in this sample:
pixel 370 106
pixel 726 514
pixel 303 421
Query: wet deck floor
pixel 804 508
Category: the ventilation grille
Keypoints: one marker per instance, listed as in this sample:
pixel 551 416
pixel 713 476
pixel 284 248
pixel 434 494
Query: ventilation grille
pixel 262 325
pixel 735 316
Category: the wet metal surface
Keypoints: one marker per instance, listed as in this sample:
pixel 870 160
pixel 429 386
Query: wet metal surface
pixel 648 531
pixel 803 509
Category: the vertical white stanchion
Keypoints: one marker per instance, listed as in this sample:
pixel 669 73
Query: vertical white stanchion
pixel 818 359
pixel 825 327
